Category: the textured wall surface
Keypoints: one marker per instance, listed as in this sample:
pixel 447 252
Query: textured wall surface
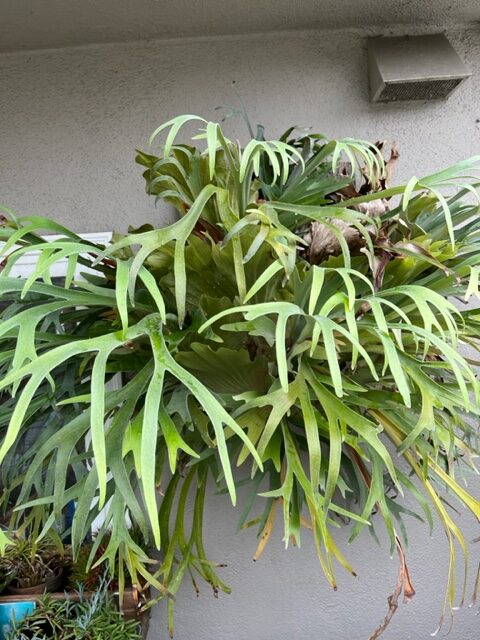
pixel 30 24
pixel 70 119
pixel 69 123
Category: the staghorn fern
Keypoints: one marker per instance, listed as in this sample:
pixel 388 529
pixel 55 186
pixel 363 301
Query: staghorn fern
pixel 296 320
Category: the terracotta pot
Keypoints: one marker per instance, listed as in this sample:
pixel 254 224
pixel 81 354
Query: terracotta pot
pixel 51 584
pixel 38 589
pixel 132 601
pixel 131 607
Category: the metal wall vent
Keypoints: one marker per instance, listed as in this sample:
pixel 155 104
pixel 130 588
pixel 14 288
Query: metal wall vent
pixel 413 68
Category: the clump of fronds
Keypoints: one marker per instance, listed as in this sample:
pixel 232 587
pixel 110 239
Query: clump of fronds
pixel 297 320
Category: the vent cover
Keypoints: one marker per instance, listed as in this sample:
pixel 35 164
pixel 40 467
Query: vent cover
pixel 413 68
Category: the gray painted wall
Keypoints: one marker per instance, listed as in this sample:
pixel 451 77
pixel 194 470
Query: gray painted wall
pixel 30 24
pixel 69 122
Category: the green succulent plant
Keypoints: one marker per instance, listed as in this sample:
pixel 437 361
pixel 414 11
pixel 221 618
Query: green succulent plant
pixel 27 563
pixel 91 618
pixel 296 321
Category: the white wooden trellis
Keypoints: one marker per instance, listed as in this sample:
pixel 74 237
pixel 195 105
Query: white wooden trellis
pixel 25 265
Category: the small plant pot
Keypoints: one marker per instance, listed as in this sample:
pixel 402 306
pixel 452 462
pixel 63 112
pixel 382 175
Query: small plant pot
pixel 131 605
pixel 10 611
pixel 52 583
pixel 37 589
pixel 132 601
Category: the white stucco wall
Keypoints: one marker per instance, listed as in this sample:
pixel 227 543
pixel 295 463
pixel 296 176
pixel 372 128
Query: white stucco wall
pixel 70 120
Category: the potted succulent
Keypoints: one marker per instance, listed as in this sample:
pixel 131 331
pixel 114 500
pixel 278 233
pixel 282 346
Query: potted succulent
pixel 86 618
pixel 296 321
pixel 28 567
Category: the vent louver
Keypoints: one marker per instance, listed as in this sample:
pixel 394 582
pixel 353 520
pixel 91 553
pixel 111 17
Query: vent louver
pixel 413 68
